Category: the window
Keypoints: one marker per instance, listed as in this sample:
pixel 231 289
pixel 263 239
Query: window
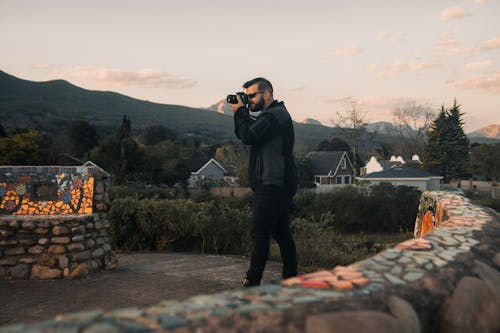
pixel 339 180
pixel 344 164
pixel 347 179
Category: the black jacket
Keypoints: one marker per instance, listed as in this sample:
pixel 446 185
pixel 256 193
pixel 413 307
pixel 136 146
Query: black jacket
pixel 271 137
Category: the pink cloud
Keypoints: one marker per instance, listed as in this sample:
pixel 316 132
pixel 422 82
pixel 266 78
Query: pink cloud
pixel 343 52
pixel 490 44
pixel 447 40
pixel 397 36
pixel 454 12
pixel 482 82
pixel 115 77
pixel 399 67
pixel 460 51
pixel 477 65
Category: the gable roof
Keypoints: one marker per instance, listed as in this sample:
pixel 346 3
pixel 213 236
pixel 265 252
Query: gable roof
pixel 326 162
pixel 196 165
pixel 401 172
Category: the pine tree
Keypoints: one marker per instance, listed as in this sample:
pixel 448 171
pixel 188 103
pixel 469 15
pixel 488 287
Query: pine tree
pixel 447 148
pixel 458 143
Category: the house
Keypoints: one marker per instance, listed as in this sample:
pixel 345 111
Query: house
pixel 374 165
pixel 331 168
pixel 205 172
pixel 403 175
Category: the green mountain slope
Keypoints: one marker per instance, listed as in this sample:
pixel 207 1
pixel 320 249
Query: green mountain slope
pixel 51 105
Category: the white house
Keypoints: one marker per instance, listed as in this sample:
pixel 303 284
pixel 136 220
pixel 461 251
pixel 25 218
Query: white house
pixel 403 175
pixel 331 168
pixel 210 173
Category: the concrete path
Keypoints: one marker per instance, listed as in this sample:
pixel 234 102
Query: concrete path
pixel 141 279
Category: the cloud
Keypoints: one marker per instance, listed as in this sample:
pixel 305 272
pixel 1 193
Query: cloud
pixel 490 44
pixel 477 65
pixel 399 67
pixel 480 1
pixel 343 52
pixel 42 66
pixel 115 77
pixel 454 12
pixel 481 82
pixel 447 40
pixel 460 51
pixel 397 36
pixel 372 67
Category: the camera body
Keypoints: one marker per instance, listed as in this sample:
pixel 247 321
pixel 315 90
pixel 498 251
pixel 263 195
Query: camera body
pixel 232 99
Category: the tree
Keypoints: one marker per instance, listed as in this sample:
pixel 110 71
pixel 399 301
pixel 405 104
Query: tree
pixel 27 148
pixel 3 132
pixel 485 161
pixel 352 120
pixel 79 137
pixel 156 133
pixel 334 144
pixel 446 151
pixel 412 121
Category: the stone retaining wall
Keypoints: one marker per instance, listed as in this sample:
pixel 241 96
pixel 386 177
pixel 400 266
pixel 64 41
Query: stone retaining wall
pixel 51 247
pixel 446 281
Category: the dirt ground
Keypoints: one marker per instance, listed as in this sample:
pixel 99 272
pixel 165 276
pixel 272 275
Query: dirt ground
pixel 141 279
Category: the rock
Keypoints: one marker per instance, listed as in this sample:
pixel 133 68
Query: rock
pixel 76 247
pixel 78 230
pixel 41 231
pixel 44 273
pixel 473 307
pixel 21 271
pixel 496 260
pixel 488 275
pixel 98 253
pixel 90 243
pixel 27 260
pixel 3 272
pixel 60 240
pixel 352 321
pixel 407 317
pixel 36 249
pixel 46 260
pixel 28 225
pixel 110 261
pixel 106 247
pixel 80 271
pixel 26 241
pixel 43 241
pixel 80 256
pixel 66 272
pixel 15 251
pixel 100 241
pixel 78 238
pixel 9 261
pixel 56 249
pixel 63 261
pixel 60 230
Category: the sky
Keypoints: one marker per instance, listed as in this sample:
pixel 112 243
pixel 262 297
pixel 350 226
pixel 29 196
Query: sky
pixel 316 53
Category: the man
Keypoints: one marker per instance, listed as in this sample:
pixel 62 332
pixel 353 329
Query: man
pixel 267 127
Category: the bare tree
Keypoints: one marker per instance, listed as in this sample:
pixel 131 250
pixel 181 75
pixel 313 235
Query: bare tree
pixel 413 121
pixel 352 119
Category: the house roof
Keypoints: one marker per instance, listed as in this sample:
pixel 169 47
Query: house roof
pixel 400 173
pixel 195 165
pixel 325 162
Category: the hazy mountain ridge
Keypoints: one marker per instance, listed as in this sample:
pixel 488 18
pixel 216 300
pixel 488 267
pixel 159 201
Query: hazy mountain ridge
pixel 490 131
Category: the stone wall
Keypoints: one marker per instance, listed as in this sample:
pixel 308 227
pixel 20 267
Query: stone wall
pixel 51 247
pixel 447 280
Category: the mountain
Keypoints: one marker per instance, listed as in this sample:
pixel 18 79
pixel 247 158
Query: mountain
pixel 310 121
pixel 490 131
pixel 51 105
pixel 221 107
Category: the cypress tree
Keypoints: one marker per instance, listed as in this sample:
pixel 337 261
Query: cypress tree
pixel 458 143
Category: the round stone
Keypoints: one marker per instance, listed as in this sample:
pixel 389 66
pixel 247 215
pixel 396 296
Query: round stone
pixel 60 230
pixel 21 271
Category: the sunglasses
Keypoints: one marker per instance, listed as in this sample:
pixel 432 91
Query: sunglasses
pixel 254 94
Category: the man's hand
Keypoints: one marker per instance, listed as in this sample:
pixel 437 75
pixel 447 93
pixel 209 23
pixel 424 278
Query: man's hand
pixel 235 107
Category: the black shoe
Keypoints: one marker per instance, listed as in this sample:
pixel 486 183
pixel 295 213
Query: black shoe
pixel 245 282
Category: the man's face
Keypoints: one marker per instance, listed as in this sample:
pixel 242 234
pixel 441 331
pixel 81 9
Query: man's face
pixel 255 97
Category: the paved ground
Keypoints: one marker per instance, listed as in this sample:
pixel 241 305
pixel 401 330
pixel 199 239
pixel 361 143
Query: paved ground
pixel 141 279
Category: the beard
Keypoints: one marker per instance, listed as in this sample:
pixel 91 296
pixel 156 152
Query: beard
pixel 258 106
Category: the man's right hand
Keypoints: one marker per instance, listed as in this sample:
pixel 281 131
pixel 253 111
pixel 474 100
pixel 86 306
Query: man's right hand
pixel 235 107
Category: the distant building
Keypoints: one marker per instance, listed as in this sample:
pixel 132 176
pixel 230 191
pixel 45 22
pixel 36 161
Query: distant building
pixel 205 172
pixel 403 175
pixel 331 168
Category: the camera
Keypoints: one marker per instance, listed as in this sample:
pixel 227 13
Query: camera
pixel 231 99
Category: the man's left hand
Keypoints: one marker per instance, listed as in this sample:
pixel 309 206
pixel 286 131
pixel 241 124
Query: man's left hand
pixel 235 107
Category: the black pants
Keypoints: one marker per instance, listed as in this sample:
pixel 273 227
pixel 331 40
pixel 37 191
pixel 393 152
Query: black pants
pixel 270 218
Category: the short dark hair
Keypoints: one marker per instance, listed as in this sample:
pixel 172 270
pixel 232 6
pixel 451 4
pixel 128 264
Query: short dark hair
pixel 264 84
